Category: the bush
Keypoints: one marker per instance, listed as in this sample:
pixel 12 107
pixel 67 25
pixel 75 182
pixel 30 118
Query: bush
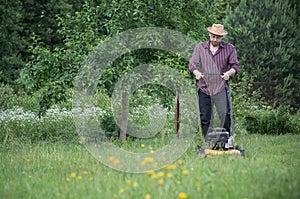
pixel 9 99
pixel 56 125
pixel 272 121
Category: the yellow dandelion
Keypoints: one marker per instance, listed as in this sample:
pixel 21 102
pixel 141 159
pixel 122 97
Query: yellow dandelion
pixel 161 174
pixel 150 172
pixel 144 163
pixel 149 160
pixel 128 182
pixel 73 175
pixel 154 176
pixel 169 175
pixel 147 196
pixel 151 151
pixel 111 158
pixel 185 172
pixel 79 177
pixel 170 167
pixel 180 162
pixel 91 179
pixel 85 172
pixel 142 145
pixel 135 185
pixel 68 179
pixel 116 161
pixel 160 182
pixel 182 195
pixel 121 190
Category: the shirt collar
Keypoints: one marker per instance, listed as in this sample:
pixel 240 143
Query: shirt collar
pixel 206 44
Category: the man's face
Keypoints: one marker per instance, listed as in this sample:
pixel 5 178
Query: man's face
pixel 215 39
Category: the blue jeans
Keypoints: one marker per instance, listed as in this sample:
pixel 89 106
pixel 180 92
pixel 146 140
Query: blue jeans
pixel 206 103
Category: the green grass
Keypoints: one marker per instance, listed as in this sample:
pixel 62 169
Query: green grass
pixel 270 170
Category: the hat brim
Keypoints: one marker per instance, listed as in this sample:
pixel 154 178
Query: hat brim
pixel 224 32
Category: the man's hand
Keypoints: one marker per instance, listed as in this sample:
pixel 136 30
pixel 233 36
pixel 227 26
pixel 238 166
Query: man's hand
pixel 225 76
pixel 197 74
pixel 229 73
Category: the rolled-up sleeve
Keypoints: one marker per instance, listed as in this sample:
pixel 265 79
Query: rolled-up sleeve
pixel 195 59
pixel 233 60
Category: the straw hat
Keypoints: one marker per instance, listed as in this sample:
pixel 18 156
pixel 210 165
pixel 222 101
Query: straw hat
pixel 217 29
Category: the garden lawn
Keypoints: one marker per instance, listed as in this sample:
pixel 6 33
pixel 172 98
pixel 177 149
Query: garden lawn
pixel 57 170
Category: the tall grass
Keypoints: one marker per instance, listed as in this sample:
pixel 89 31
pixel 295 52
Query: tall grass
pixel 42 158
pixel 56 125
pixel 56 170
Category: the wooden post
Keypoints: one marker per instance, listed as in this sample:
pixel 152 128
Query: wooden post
pixel 124 119
pixel 177 114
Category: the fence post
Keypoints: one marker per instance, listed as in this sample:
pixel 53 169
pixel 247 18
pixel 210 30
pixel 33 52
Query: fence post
pixel 177 114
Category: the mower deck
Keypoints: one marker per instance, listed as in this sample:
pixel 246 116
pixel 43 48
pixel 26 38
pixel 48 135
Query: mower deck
pixel 211 152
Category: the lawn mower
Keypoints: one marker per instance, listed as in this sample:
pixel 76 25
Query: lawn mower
pixel 217 141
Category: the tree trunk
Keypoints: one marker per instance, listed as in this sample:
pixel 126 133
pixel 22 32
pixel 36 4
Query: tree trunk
pixel 124 119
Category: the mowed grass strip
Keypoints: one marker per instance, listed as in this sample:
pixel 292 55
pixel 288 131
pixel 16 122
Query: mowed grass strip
pixel 57 170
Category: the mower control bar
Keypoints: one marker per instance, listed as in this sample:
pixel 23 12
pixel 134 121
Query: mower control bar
pixel 212 73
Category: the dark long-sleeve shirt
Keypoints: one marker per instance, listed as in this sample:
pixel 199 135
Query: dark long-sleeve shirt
pixel 207 63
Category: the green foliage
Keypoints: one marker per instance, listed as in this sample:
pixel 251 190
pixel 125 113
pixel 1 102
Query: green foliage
pixel 51 72
pixel 139 106
pixel 220 7
pixel 9 99
pixel 243 97
pixel 265 35
pixel 188 17
pixel 11 41
pixel 52 38
pixel 252 114
pixel 40 19
pixel 56 125
pixel 105 115
pixel 269 121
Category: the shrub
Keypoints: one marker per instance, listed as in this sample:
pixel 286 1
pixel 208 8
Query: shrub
pixel 9 99
pixel 272 121
pixel 56 125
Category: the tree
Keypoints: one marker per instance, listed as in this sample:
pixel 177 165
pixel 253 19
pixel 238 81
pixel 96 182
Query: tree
pixel 11 41
pixel 19 20
pixel 266 36
pixel 51 71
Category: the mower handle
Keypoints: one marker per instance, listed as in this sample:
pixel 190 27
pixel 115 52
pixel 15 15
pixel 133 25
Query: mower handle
pixel 212 73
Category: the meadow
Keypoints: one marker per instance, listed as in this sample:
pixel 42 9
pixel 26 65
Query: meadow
pixel 67 170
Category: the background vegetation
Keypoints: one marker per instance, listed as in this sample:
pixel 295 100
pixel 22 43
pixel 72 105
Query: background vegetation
pixel 43 45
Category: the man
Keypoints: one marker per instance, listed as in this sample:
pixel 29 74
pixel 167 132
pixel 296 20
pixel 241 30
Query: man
pixel 213 62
